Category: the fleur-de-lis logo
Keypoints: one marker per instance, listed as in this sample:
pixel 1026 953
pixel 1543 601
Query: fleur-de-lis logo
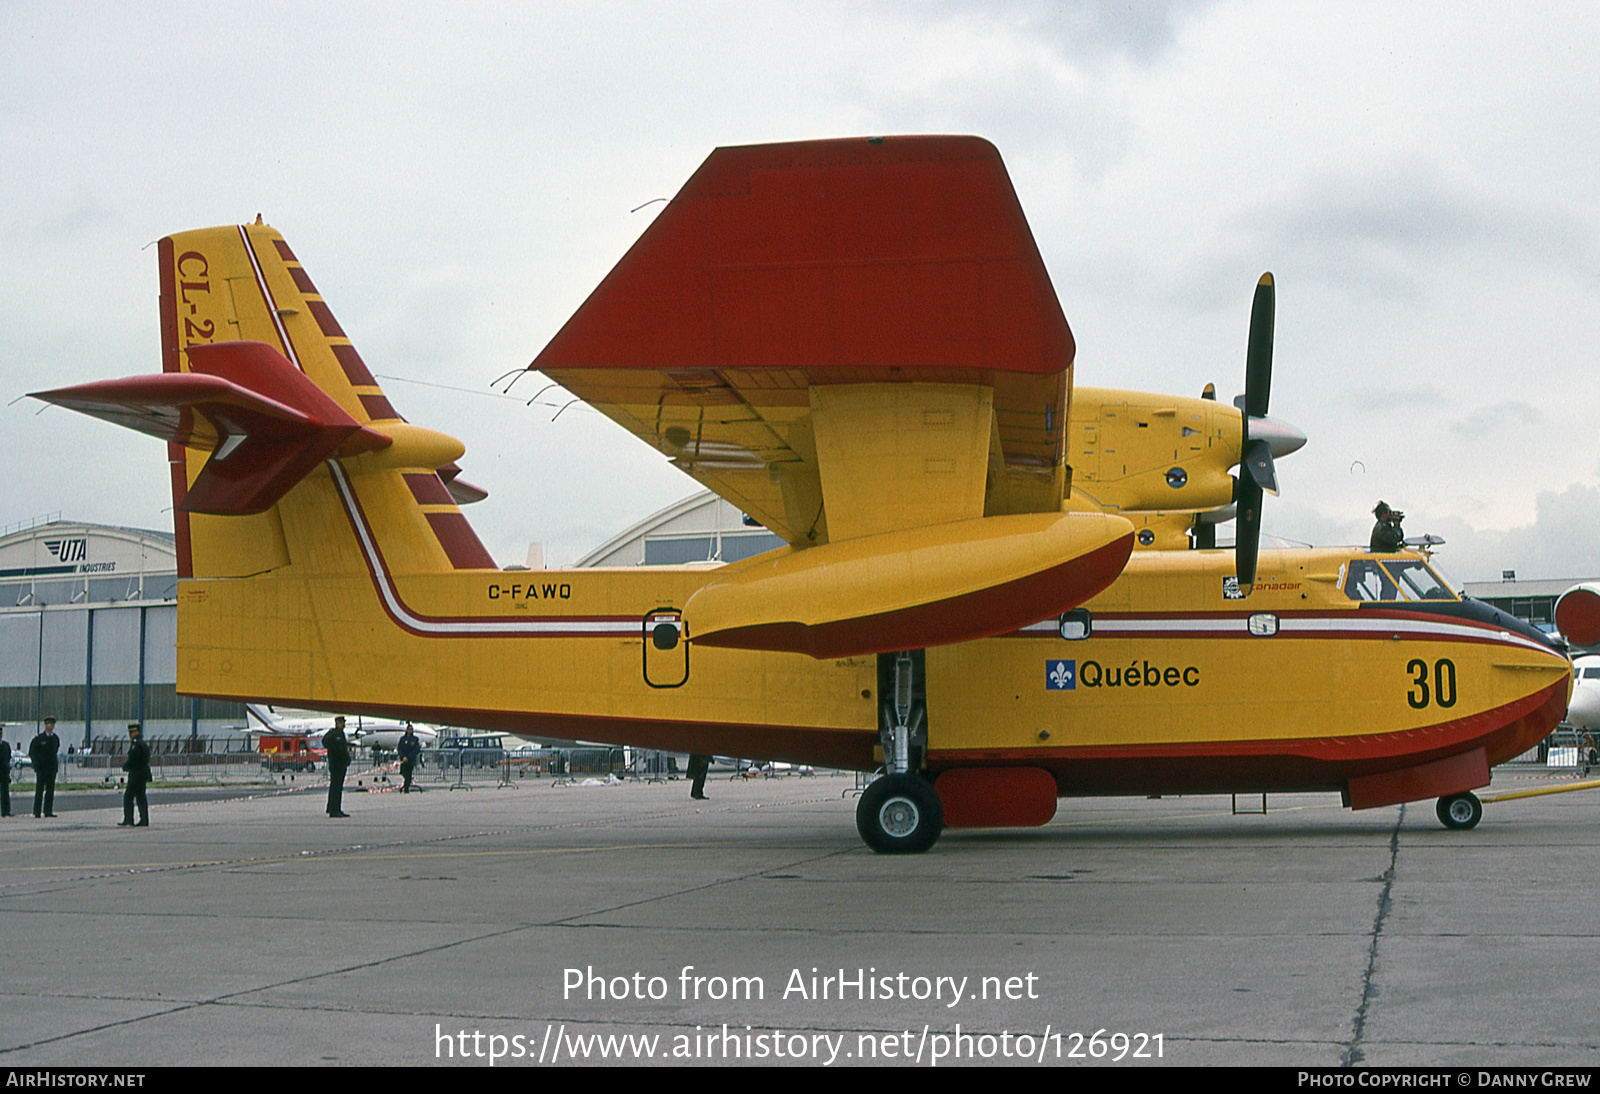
pixel 1061 676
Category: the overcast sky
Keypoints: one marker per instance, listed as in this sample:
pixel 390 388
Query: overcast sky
pixel 1421 180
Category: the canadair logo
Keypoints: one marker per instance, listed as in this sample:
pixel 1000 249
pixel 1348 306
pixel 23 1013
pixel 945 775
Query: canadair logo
pixel 1061 675
pixel 68 550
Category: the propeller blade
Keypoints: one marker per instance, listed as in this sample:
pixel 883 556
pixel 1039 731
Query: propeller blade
pixel 1258 358
pixel 1210 392
pixel 1247 535
pixel 1258 461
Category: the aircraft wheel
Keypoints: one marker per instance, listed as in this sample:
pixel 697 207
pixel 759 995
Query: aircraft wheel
pixel 900 815
pixel 1460 811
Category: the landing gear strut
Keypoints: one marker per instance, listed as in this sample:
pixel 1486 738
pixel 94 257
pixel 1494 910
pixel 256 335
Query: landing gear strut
pixel 900 813
pixel 1460 811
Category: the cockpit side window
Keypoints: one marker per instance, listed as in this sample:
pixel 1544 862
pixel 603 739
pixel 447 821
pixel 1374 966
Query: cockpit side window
pixel 1417 582
pixel 1368 581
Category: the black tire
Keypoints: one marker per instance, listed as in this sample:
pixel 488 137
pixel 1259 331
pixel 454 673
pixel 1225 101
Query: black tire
pixel 900 815
pixel 1461 811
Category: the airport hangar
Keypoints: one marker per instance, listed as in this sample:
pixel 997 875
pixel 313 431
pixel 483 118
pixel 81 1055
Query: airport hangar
pixel 88 623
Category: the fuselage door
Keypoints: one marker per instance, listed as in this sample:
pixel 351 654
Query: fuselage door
pixel 666 649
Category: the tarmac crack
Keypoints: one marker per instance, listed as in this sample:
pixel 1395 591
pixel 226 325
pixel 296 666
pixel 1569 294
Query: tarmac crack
pixel 1353 1054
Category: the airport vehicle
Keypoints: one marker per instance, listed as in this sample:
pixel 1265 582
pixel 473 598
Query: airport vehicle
pixel 290 752
pixel 464 751
pixel 997 588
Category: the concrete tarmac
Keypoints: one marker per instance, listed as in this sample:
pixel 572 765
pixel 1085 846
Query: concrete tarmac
pixel 432 927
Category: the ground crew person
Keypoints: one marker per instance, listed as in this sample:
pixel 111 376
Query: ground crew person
pixel 338 763
pixel 5 776
pixel 409 748
pixel 698 765
pixel 42 750
pixel 137 766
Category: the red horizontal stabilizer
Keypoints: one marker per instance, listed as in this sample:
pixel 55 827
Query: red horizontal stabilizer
pixel 266 424
pixel 905 253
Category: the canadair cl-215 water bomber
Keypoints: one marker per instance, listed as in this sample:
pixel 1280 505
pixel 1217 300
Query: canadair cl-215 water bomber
pixel 996 588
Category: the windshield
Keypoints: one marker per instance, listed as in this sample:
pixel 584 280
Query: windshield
pixel 1394 581
pixel 1418 582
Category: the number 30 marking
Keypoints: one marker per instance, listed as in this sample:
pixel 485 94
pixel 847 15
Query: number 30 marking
pixel 1444 683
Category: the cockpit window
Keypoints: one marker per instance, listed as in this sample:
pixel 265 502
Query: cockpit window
pixel 1367 581
pixel 1394 581
pixel 1418 582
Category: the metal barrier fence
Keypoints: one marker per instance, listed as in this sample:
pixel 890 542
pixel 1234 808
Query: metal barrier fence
pixel 236 757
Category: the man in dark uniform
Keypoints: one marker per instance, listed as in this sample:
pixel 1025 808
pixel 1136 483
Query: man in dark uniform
pixel 338 763
pixel 42 751
pixel 1387 536
pixel 698 765
pixel 410 748
pixel 5 776
pixel 137 766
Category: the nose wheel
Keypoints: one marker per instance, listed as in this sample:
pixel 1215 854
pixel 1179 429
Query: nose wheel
pixel 899 815
pixel 1460 811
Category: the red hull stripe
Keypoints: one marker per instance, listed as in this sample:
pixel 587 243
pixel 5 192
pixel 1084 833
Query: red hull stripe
pixel 417 623
pixel 850 749
pixel 1314 625
pixel 1281 765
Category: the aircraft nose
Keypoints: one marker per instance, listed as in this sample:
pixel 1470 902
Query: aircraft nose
pixel 1281 437
pixel 1584 709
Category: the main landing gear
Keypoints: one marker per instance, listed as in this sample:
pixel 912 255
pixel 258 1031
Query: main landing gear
pixel 900 813
pixel 1460 811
